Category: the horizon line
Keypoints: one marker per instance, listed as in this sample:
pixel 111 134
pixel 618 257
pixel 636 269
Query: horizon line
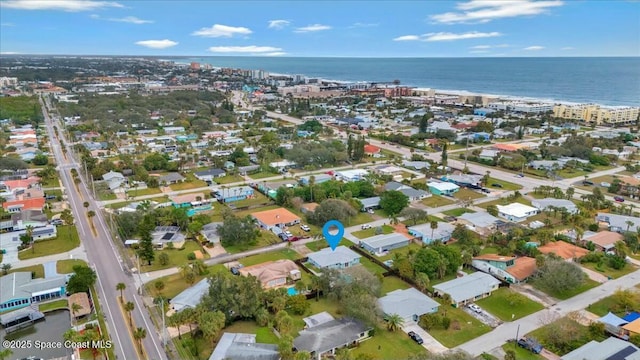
pixel 326 57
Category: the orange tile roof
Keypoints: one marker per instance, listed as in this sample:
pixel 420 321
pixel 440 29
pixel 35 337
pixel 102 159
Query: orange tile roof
pixel 371 149
pixel 563 249
pixel 27 204
pixel 523 268
pixel 276 216
pixel 508 147
pixel 13 184
pixel 494 257
pixel 606 238
pixel 633 326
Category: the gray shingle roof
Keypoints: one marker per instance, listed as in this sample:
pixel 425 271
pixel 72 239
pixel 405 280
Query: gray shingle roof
pixel 327 257
pixel 383 240
pixel 609 349
pixel 190 297
pixel 20 285
pixel 238 346
pixel 480 219
pixel 407 303
pixel 330 335
pixel 467 287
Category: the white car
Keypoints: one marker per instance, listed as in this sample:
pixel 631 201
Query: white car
pixel 474 308
pixel 288 233
pixel 366 226
pixel 305 227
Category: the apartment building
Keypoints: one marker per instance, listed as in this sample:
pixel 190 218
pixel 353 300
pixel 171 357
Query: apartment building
pixel 599 115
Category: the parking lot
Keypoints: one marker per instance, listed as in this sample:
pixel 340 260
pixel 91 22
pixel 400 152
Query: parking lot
pixel 483 316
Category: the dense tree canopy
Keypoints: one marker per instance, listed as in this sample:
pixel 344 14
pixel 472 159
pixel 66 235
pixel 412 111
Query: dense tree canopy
pixel 82 279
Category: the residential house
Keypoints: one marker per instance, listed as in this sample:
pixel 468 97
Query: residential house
pixel 510 269
pixel 163 235
pixel 467 289
pixel 278 218
pixel 317 319
pixel 563 249
pixel 194 203
pixel 238 346
pixel 516 212
pixel 610 349
pixel 408 191
pixel 409 304
pixel 605 240
pixel 547 165
pixel 191 296
pixel 18 290
pixel 428 235
pixel 550 203
pixel 209 174
pixel 341 258
pixel 489 154
pixel 20 221
pixel 442 188
pixel 37 233
pixel 382 243
pixel 324 339
pixel 418 165
pixel 210 232
pixel 463 179
pixel 81 299
pixel 114 179
pixel 482 222
pixel 227 195
pixel 619 223
pixel 351 175
pixel 171 178
pixel 370 203
pixel 388 170
pixel 371 150
pixel 317 179
pixel 30 200
pixel 273 274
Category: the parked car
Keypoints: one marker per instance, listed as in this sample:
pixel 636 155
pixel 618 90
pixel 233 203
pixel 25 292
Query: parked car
pixel 475 308
pixel 618 198
pixel 530 344
pixel 497 185
pixel 56 222
pixel 520 175
pixel 366 226
pixel 415 337
pixel 283 236
pixel 305 227
pixel 288 233
pixel 293 238
pixel 236 269
pixel 370 211
pixel 587 183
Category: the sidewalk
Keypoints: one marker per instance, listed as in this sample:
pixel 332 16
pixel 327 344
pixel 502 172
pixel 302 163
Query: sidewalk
pixel 77 253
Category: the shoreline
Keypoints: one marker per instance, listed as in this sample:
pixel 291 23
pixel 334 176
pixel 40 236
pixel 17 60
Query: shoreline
pixel 516 98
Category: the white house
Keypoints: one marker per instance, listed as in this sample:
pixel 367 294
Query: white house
pixel 351 175
pixel 550 203
pixel 516 212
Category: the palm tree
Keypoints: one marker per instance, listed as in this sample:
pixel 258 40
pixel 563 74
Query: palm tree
pixel 394 322
pixel 159 285
pixel 139 334
pixel 176 320
pixel 5 353
pixel 629 224
pixel 75 307
pixel 6 268
pixel 91 214
pixel 434 226
pixel 422 281
pixel 121 287
pixel 29 234
pixel 128 307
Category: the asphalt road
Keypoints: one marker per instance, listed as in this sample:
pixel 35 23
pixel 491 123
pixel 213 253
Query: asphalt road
pixel 105 260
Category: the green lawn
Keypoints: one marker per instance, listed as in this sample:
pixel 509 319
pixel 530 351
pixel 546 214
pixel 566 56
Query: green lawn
pixel 142 192
pixel 371 266
pixel 106 195
pixel 505 185
pixel 258 199
pixel 386 345
pixel 580 333
pixel 54 305
pixel 262 175
pixel 391 283
pixel 321 244
pixel 521 353
pixel 362 234
pixel 49 183
pixel 465 194
pixel 588 284
pixel 437 201
pixel 361 218
pixel 468 327
pixel 603 306
pixel 228 179
pixel 265 238
pixel 401 251
pixel 505 303
pixel 66 266
pixel 177 257
pixel 457 212
pixel 606 270
pixel 489 250
pixel 66 240
pixel 271 256
pixel 55 192
pixel 175 284
pixel 190 183
pixel 38 270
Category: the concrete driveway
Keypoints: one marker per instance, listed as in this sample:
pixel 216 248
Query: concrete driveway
pixel 484 317
pixel 431 344
pixel 11 248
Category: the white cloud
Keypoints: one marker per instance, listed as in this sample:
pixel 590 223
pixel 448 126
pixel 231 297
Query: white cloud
pixel 407 38
pixel 312 28
pixel 566 48
pixel 218 30
pixel 480 47
pixel 157 44
pixel 8 24
pixel 278 24
pixel 64 5
pixel 534 48
pixel 479 51
pixel 9 53
pixel 363 25
pixel 275 53
pixel 483 11
pixel 447 36
pixel 131 20
pixel 245 49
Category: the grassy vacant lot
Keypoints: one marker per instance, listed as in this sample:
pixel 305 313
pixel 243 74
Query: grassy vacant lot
pixel 38 270
pixel 588 284
pixel 465 194
pixel 457 212
pixel 175 284
pixel 53 305
pixel 271 256
pixel 228 179
pixel 391 283
pixel 177 257
pixel 467 327
pixel 266 238
pixel 609 303
pixel 437 201
pixel 66 266
pixel 258 199
pixel 53 182
pixel 401 251
pixel 262 175
pixel 386 345
pixel 567 328
pixel 362 234
pixel 505 185
pixel 521 354
pixel 505 302
pixel 66 240
pixel 606 270
pixel 141 192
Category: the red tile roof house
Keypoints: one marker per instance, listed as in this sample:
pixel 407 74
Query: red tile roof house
pixel 508 268
pixel 605 240
pixel 371 149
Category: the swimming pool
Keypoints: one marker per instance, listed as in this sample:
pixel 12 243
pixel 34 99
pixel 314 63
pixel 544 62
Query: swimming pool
pixel 292 291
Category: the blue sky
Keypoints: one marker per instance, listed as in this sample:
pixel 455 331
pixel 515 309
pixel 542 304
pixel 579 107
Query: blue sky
pixel 322 28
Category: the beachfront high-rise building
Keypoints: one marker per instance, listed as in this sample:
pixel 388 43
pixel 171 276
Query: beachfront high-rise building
pixel 521 107
pixel 8 81
pixel 259 74
pixel 195 66
pixel 597 114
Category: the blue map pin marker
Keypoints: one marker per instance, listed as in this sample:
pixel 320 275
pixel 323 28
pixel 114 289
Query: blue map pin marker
pixel 333 240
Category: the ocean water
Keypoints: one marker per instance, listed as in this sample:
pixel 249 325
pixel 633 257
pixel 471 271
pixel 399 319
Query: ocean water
pixel 606 81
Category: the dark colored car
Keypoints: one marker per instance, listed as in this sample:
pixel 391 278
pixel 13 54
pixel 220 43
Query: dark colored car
pixel 530 344
pixel 235 271
pixel 415 337
pixel 618 198
pixel 497 185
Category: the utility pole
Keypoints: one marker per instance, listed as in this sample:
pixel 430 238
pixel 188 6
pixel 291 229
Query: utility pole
pixel 164 338
pixel 515 343
pixel 466 154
